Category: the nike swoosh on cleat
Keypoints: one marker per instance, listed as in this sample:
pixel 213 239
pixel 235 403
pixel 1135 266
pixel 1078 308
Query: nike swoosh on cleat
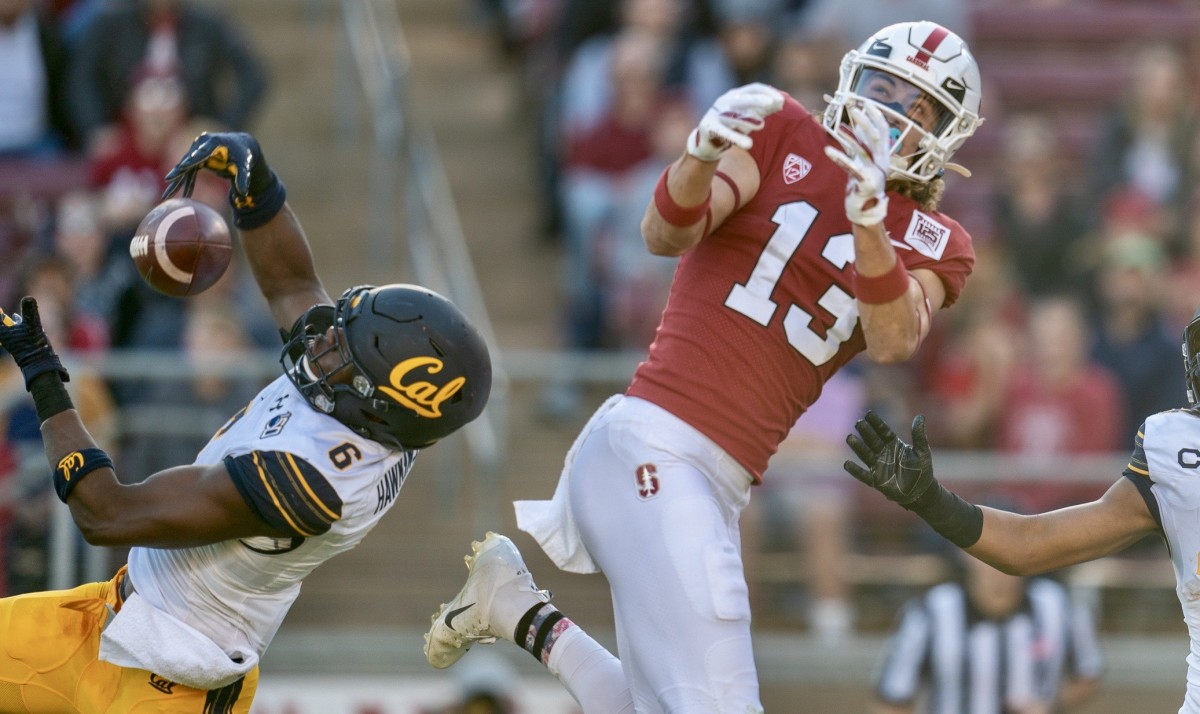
pixel 455 613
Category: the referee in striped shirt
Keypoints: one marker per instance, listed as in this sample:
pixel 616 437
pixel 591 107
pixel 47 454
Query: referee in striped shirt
pixel 992 644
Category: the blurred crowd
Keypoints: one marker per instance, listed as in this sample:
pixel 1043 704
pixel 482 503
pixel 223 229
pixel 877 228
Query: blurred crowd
pixel 98 99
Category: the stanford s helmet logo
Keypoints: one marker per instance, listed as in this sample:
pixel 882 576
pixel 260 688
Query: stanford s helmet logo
pixel 423 397
pixel 647 481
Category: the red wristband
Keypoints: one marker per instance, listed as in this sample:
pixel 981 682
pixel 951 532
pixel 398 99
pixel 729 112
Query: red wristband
pixel 672 212
pixel 881 289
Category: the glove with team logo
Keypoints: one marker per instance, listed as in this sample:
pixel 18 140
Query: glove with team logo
pixel 732 118
pixel 255 192
pixel 23 337
pixel 904 474
pixel 866 156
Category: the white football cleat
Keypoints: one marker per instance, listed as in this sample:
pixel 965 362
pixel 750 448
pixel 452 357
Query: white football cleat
pixel 496 577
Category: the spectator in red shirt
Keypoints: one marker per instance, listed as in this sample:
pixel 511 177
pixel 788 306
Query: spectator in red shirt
pixel 1058 401
pixel 129 170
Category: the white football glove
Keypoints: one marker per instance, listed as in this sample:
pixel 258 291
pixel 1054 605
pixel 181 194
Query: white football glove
pixel 866 157
pixel 732 118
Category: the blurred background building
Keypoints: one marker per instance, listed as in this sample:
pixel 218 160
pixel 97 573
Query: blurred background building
pixel 501 151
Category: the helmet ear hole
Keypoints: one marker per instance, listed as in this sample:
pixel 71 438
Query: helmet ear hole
pixel 368 416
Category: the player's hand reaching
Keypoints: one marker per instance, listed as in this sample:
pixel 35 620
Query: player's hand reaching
pixel 901 472
pixel 732 118
pixel 256 193
pixel 233 156
pixel 866 156
pixel 23 337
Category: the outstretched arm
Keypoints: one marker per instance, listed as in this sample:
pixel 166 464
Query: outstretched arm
pixel 177 507
pixel 691 199
pixel 1027 545
pixel 282 263
pixel 1015 544
pixel 275 244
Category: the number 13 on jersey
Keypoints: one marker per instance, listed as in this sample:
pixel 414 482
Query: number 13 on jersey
pixel 753 298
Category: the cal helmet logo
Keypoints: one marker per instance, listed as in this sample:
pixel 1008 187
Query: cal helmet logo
pixel 927 236
pixel 70 463
pixel 422 396
pixel 647 481
pixel 795 168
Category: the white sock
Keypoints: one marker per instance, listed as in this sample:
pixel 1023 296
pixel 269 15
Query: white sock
pixel 506 612
pixel 590 672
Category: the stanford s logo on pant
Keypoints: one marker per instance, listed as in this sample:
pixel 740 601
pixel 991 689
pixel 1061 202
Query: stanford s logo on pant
pixel 647 481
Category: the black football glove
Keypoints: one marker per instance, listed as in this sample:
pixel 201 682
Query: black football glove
pixel 904 474
pixel 233 156
pixel 901 472
pixel 255 192
pixel 23 337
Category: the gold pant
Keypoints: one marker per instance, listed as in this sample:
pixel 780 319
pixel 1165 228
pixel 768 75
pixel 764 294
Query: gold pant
pixel 49 647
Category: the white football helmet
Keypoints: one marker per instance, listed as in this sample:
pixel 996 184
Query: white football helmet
pixel 900 68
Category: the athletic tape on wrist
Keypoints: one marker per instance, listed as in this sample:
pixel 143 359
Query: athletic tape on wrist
pixel 946 512
pixel 672 212
pixel 50 397
pixel 880 289
pixel 74 466
pixel 255 210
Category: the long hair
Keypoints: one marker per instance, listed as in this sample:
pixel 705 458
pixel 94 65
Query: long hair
pixel 926 194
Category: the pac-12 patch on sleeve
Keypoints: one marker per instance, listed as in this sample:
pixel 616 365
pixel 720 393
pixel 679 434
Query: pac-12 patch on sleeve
pixel 287 491
pixel 927 236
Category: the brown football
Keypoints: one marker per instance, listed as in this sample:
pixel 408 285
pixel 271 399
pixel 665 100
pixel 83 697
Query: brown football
pixel 181 247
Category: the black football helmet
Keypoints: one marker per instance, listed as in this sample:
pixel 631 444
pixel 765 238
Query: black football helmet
pixel 1191 359
pixel 420 369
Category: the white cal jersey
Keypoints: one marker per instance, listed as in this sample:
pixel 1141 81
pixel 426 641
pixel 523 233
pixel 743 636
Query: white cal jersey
pixel 1166 469
pixel 301 470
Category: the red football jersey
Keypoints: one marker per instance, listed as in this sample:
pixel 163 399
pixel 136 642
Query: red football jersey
pixel 761 312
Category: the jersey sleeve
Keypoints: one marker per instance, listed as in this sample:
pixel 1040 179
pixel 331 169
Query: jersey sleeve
pixel 936 242
pixel 286 491
pixel 1138 471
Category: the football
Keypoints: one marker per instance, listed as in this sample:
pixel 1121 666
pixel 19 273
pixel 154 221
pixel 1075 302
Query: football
pixel 182 247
